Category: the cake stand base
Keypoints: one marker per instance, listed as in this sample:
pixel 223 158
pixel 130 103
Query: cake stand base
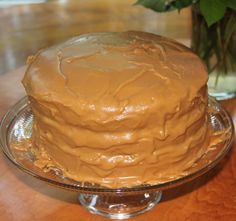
pixel 119 206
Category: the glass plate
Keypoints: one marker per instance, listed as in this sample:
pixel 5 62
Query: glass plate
pixel 122 203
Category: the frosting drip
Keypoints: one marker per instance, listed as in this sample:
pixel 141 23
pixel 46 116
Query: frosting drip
pixel 119 109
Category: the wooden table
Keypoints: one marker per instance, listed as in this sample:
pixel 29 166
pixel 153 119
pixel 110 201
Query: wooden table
pixel 211 197
pixel 25 29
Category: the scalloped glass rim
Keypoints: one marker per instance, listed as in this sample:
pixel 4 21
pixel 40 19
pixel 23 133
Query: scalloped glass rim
pixel 218 114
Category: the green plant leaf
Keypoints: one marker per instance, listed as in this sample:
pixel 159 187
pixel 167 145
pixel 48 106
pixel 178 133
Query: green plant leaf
pixel 183 3
pixel 213 10
pixel 158 6
pixel 165 5
pixel 231 4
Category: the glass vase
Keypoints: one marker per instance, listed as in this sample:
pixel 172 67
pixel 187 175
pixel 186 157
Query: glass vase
pixel 216 45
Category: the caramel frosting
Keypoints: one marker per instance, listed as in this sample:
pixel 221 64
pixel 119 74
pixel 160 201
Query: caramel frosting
pixel 119 109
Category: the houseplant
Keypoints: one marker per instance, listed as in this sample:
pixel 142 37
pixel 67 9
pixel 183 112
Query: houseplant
pixel 213 38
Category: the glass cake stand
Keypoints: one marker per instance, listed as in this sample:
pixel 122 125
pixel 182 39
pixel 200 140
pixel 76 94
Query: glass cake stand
pixel 122 203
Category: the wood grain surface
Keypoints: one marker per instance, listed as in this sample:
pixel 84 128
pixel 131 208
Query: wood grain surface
pixel 24 30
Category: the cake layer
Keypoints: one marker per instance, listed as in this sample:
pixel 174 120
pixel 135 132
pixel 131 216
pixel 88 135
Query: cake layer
pixel 119 109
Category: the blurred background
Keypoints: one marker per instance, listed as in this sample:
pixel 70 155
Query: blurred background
pixel 30 25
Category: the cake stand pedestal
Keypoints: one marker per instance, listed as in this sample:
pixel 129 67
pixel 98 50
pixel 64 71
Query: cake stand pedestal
pixel 120 206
